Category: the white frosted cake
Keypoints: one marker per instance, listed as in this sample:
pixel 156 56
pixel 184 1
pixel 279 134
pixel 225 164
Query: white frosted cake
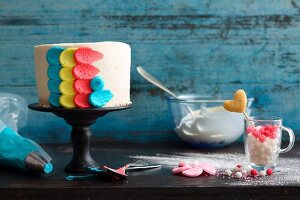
pixel 83 75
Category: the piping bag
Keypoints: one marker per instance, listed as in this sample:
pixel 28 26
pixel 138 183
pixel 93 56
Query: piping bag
pixel 16 151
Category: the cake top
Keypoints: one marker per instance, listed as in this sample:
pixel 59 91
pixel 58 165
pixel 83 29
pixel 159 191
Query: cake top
pixel 80 44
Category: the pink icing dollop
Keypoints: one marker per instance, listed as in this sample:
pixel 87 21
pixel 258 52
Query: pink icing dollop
pixel 86 55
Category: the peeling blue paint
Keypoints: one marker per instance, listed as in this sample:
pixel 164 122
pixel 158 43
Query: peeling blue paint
pixel 206 47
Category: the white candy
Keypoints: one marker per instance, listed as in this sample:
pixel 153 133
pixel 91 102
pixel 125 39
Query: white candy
pixel 244 172
pixel 237 169
pixel 246 167
pixel 262 173
pixel 228 172
pixel 239 175
pixel 195 163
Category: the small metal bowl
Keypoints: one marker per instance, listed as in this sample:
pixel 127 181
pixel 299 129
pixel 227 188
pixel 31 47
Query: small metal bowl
pixel 203 122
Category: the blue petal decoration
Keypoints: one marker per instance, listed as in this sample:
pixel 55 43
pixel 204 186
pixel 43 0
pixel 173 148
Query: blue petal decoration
pixel 53 86
pixel 53 72
pixel 52 55
pixel 100 98
pixel 54 99
pixel 97 83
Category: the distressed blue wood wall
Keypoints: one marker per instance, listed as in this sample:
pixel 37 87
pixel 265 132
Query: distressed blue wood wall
pixel 203 47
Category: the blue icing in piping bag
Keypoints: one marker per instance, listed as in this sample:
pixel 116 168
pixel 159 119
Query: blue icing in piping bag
pixel 22 153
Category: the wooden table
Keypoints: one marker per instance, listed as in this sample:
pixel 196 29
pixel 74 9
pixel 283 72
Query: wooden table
pixel 154 184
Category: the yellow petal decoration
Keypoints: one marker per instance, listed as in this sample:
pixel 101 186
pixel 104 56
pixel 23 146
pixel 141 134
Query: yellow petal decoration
pixel 66 87
pixel 67 101
pixel 66 57
pixel 65 74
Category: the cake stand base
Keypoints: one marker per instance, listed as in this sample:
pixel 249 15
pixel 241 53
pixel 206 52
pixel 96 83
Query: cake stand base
pixel 80 120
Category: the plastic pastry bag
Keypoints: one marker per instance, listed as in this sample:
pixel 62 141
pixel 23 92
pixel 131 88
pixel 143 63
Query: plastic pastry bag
pixel 22 153
pixel 13 110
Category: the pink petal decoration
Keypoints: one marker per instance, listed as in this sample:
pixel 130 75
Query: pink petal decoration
pixel 85 71
pixel 82 86
pixel 85 55
pixel 82 100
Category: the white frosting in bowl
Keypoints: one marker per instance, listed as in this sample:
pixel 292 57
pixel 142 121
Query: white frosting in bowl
pixel 213 126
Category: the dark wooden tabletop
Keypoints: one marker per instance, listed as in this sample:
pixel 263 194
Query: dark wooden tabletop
pixel 156 183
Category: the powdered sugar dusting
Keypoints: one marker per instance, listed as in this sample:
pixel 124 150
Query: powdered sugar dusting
pixel 287 172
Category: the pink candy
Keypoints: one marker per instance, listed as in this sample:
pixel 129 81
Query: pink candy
pixel 208 168
pixel 194 170
pixel 263 132
pixel 181 164
pixel 181 169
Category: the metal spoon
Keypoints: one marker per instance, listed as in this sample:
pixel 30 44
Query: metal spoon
pixel 154 81
pixel 158 84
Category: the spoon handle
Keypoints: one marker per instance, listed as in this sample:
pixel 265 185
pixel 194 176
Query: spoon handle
pixel 154 81
pixel 143 167
pixel 82 177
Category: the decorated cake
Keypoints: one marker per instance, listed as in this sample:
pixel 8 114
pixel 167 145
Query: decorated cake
pixel 83 75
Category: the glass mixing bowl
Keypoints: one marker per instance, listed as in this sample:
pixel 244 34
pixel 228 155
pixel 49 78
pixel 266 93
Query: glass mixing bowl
pixel 203 122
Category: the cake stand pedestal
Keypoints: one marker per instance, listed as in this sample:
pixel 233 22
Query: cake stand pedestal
pixel 80 120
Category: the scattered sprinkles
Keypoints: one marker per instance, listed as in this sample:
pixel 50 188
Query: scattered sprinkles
pixel 246 173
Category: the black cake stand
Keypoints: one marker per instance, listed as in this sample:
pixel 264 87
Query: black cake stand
pixel 80 120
